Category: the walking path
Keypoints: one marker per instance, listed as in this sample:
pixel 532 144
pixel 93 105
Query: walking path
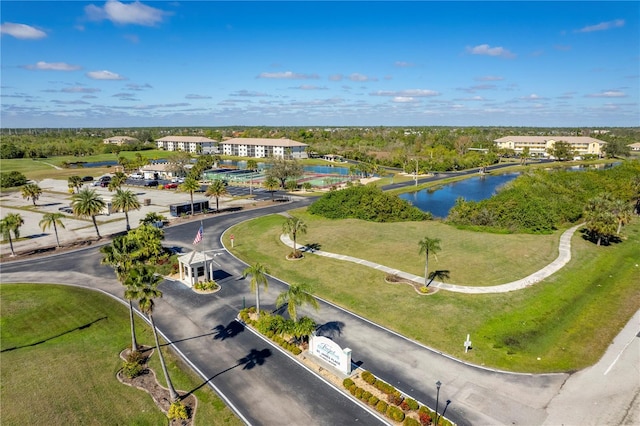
pixel 564 255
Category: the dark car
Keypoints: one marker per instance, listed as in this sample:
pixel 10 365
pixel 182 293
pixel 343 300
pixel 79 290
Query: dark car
pixel 87 178
pixel 151 183
pixel 104 183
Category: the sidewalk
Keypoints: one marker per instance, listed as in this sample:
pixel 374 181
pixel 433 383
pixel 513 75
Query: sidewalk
pixel 564 255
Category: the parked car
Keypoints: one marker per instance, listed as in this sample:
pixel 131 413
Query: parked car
pixel 136 176
pixel 151 183
pixel 66 209
pixel 172 185
pixel 104 183
pixel 87 179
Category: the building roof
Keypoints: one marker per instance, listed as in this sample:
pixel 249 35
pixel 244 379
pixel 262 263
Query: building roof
pixel 264 141
pixel 569 139
pixel 196 139
pixel 160 167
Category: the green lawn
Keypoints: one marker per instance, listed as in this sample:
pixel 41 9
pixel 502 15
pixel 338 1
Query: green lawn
pixel 567 320
pixel 60 349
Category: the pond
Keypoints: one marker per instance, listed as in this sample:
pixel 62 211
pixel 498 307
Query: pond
pixel 440 201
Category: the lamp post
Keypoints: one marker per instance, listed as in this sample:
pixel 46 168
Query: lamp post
pixel 438 384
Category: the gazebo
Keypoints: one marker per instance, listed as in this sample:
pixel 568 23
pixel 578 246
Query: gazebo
pixel 195 265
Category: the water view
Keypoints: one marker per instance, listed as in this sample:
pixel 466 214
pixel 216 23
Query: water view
pixel 440 201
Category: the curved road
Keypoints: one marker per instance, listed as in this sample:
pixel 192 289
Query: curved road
pixel 266 387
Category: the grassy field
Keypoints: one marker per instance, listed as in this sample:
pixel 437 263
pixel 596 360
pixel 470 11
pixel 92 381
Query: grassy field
pixel 564 323
pixel 60 349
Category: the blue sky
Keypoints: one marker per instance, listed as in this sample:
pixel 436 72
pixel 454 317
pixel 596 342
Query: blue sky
pixel 205 63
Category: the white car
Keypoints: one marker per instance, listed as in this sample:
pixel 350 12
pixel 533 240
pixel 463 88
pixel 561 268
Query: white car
pixel 136 176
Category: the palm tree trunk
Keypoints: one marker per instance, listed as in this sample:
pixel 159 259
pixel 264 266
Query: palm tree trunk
pixel 192 212
pixel 619 227
pixel 13 253
pixel 172 392
pixel 95 224
pixel 258 299
pixel 134 342
pixel 426 270
pixel 126 216
pixel 55 229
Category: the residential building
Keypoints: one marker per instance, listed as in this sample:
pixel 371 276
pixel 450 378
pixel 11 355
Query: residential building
pixel 192 144
pixel 539 145
pixel 120 140
pixel 264 148
pixel 635 147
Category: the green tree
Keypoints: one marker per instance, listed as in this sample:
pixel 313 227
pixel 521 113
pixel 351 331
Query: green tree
pixel 428 246
pixel 600 221
pixel 116 182
pixel 252 165
pixel 125 200
pixel 148 241
pixel 178 162
pixel 294 226
pixel 75 183
pixel 11 224
pixel 258 273
pixel 12 179
pixel 303 328
pixel 146 281
pixel 216 189
pixel 31 191
pixel 152 218
pixel 561 151
pixel 296 295
pixel 270 184
pixel 283 170
pixel 190 185
pixel 119 255
pixel 524 155
pixel 54 219
pixel 623 212
pixel 87 203
pixel 617 148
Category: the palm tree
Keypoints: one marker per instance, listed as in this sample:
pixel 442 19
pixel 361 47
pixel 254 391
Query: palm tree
pixel 117 180
pixel 294 226
pixel 146 281
pixel 271 184
pixel 252 165
pixel 125 200
pixel 33 191
pixel 258 274
pixel 428 245
pixel 75 183
pixel 86 203
pixel 296 295
pixel 600 220
pixel 11 223
pixel 216 189
pixel 152 218
pixel 118 254
pixel 49 219
pixel 623 212
pixel 190 185
pixel 304 328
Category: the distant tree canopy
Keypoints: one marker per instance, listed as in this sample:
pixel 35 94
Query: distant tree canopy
pixel 12 179
pixel 542 201
pixel 366 202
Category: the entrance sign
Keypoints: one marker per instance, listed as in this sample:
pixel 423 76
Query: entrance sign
pixel 331 353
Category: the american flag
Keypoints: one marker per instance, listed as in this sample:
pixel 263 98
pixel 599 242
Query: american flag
pixel 198 237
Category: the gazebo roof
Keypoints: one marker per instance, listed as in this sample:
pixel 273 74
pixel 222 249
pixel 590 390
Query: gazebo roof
pixel 195 257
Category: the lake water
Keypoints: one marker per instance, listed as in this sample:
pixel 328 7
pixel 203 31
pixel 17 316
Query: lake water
pixel 440 201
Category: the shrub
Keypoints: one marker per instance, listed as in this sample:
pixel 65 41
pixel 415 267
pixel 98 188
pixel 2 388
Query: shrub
pixel 178 411
pixel 366 395
pixel 347 383
pixel 411 404
pixel 381 407
pixel 384 387
pixel 11 179
pixel 373 400
pixel 395 398
pixel 394 413
pixel 353 388
pixel 368 377
pixel 206 285
pixel 424 289
pixel 410 421
pixel 425 416
pixel 132 369
pixel 358 393
pixel 296 350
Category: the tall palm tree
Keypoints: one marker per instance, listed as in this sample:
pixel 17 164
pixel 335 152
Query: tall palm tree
pixel 428 245
pixel 623 212
pixel 252 165
pixel 125 200
pixel 147 282
pixel 271 184
pixel 33 191
pixel 49 219
pixel 75 183
pixel 296 295
pixel 190 185
pixel 216 189
pixel 116 182
pixel 87 203
pixel 11 223
pixel 258 274
pixel 118 254
pixel 294 226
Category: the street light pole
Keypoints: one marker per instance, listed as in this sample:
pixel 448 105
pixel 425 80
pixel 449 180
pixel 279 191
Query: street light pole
pixel 438 384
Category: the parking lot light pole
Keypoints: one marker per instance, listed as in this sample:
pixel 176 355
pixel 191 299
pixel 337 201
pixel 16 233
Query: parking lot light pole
pixel 438 384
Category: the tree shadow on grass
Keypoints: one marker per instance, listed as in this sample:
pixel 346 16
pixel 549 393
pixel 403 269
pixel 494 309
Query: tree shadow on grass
pixel 605 240
pixel 82 327
pixel 312 247
pixel 251 360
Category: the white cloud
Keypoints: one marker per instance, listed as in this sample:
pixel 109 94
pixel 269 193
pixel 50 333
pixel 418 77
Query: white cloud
pixel 406 93
pixel 602 26
pixel 52 66
pixel 134 13
pixel 532 97
pixel 78 89
pixel 104 75
pixel 21 31
pixel 489 78
pixel 485 49
pixel 309 87
pixel 287 75
pixel 403 64
pixel 607 94
pixel 193 96
pixel 403 99
pixel 336 77
pixel 361 77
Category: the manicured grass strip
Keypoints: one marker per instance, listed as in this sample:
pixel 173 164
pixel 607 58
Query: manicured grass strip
pixel 60 355
pixel 567 320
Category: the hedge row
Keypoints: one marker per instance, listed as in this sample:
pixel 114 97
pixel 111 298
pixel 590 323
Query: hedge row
pixel 291 347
